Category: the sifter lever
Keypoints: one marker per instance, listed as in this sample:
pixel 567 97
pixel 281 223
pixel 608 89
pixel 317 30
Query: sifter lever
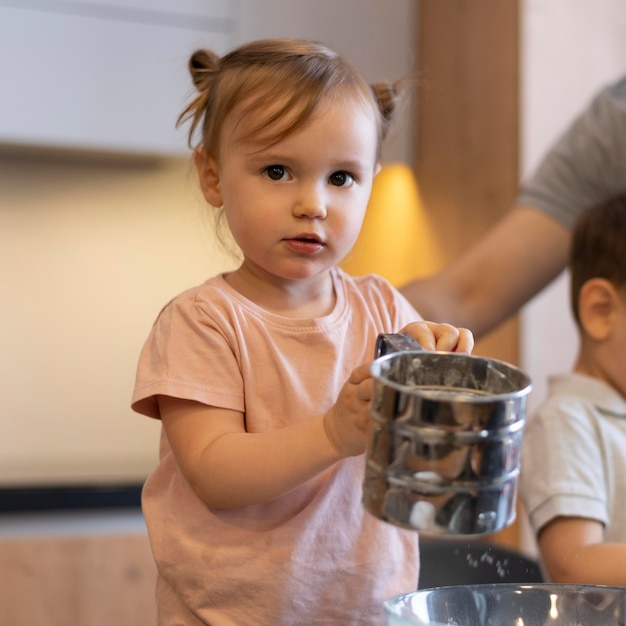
pixel 386 343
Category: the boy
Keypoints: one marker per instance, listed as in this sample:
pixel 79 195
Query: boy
pixel 573 478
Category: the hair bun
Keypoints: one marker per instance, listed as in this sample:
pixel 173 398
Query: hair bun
pixel 389 97
pixel 202 66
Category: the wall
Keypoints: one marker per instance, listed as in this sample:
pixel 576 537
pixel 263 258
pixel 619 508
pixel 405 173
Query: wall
pixel 91 247
pixel 570 48
pixel 89 252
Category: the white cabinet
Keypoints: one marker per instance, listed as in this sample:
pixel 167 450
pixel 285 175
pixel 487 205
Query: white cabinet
pixel 107 75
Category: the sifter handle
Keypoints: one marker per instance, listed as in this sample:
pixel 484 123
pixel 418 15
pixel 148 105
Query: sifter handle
pixel 386 343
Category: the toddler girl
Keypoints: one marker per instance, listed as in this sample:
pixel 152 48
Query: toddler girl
pixel 260 377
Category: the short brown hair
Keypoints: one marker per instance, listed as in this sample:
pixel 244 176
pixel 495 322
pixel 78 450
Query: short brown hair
pixel 283 80
pixel 598 248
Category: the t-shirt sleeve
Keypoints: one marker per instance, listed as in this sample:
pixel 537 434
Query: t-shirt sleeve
pixel 404 310
pixel 587 164
pixel 190 355
pixel 562 466
pixel 383 297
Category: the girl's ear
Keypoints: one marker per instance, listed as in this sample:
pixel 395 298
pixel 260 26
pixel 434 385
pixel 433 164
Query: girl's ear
pixel 209 176
pixel 597 303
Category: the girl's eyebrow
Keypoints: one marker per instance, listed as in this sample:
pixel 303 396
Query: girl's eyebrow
pixel 281 158
pixel 267 156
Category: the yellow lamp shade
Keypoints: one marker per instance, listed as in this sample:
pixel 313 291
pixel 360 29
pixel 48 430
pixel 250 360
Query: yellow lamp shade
pixel 397 240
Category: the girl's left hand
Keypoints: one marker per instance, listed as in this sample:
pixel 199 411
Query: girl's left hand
pixel 443 337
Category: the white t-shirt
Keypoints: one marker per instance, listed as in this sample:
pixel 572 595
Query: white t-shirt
pixel 573 455
pixel 314 556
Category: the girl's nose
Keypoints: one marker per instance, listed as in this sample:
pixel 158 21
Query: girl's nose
pixel 310 204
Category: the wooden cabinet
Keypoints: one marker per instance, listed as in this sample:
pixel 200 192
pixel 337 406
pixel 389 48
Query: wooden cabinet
pixel 103 76
pixel 67 574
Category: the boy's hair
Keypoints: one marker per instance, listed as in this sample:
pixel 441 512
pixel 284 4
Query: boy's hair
pixel 598 248
pixel 281 81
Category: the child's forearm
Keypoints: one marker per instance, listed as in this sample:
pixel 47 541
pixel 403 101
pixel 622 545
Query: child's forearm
pixel 595 564
pixel 242 469
pixel 573 551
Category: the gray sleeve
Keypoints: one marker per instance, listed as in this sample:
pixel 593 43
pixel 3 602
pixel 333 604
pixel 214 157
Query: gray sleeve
pixel 587 164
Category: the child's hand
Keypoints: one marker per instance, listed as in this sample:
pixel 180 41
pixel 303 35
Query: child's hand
pixel 443 337
pixel 348 422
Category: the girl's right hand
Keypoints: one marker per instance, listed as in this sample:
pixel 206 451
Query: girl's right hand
pixel 443 337
pixel 348 422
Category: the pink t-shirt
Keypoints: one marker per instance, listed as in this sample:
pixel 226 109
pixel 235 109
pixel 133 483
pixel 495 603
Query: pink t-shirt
pixel 314 556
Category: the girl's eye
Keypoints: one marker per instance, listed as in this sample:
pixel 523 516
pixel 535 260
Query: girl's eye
pixel 275 172
pixel 340 179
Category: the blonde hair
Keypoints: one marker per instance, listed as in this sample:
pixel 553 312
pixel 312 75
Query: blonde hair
pixel 281 81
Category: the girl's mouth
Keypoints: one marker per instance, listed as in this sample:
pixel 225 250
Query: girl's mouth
pixel 305 244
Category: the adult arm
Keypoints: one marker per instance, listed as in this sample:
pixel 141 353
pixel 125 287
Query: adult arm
pixel 512 262
pixel 528 248
pixel 573 551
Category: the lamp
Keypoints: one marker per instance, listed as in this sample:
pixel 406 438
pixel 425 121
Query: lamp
pixel 397 240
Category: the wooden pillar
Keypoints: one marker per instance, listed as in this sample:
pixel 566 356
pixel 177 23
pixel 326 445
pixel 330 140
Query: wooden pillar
pixel 467 133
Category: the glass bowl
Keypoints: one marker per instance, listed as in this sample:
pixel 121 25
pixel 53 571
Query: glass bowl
pixel 509 604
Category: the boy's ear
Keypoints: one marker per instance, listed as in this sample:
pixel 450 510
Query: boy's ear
pixel 209 176
pixel 597 303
